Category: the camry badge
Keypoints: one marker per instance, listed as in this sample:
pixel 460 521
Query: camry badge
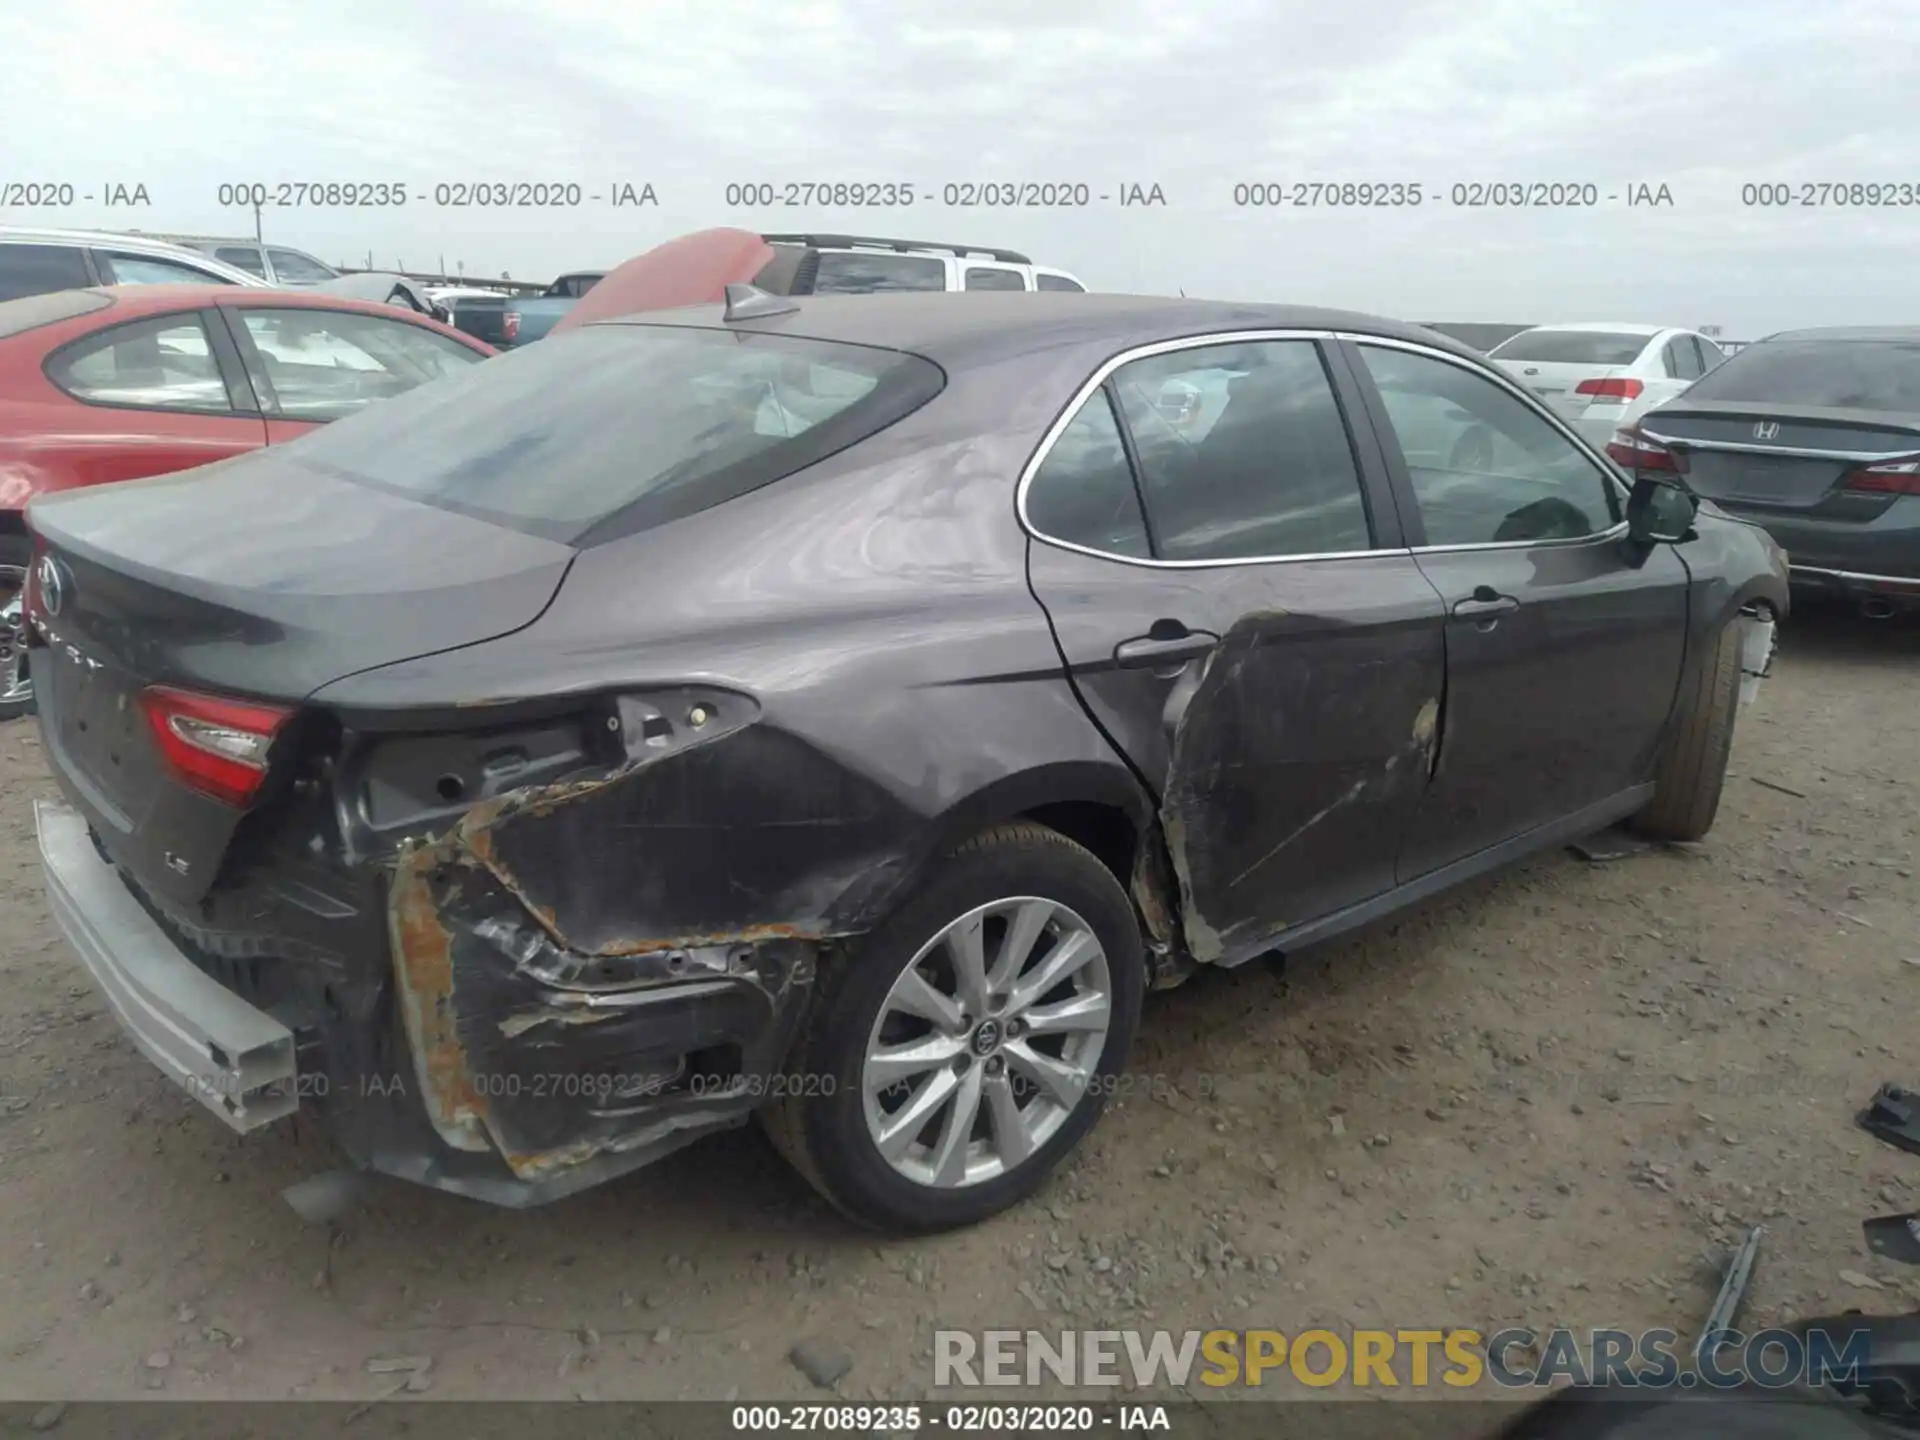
pixel 1766 430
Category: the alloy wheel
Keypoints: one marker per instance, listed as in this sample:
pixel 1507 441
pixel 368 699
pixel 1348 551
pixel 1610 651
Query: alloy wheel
pixel 15 686
pixel 987 1042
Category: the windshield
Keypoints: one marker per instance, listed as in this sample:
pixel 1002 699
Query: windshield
pixel 614 428
pixel 1573 347
pixel 1826 374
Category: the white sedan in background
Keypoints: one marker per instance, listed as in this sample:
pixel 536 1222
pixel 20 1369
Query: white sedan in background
pixel 1601 376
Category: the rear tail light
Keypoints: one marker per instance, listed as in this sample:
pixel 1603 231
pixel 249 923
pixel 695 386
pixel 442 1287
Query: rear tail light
pixel 1900 478
pixel 1632 450
pixel 510 325
pixel 218 747
pixel 1610 390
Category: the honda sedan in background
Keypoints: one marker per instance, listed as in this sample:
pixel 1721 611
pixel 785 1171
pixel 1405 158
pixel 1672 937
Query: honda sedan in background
pixel 113 383
pixel 840 710
pixel 1814 434
pixel 1602 376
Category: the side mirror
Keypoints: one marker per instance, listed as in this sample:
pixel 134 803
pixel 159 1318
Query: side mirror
pixel 1659 512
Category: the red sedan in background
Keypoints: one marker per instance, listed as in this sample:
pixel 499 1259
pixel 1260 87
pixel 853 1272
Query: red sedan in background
pixel 119 382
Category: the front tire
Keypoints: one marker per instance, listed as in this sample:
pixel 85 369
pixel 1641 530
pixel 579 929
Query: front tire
pixel 968 1043
pixel 1693 764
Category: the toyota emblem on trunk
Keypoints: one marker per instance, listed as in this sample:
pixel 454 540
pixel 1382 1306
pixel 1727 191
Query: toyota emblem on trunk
pixel 52 592
pixel 1766 430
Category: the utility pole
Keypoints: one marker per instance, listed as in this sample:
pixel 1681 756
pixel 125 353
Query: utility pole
pixel 256 222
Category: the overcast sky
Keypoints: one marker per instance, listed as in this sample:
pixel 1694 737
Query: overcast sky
pixel 1196 97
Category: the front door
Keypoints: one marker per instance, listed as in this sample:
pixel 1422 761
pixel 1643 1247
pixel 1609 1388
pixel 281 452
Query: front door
pixel 1222 568
pixel 1564 640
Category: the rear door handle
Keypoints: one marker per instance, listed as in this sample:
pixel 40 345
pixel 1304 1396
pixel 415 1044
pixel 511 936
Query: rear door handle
pixel 1485 603
pixel 1168 643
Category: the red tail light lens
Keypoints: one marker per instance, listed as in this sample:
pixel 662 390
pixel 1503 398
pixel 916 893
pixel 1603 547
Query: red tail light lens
pixel 1900 478
pixel 218 747
pixel 510 325
pixel 1632 450
pixel 1610 390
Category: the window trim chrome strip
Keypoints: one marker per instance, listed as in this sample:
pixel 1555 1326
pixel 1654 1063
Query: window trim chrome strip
pixel 1797 452
pixel 1250 337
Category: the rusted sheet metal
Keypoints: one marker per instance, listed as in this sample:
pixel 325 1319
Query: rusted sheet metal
pixel 423 970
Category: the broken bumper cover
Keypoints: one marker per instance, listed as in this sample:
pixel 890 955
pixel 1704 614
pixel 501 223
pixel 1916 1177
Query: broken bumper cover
pixel 564 1069
pixel 235 1059
pixel 491 1081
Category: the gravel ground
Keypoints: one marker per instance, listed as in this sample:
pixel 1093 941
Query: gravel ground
pixel 1557 1095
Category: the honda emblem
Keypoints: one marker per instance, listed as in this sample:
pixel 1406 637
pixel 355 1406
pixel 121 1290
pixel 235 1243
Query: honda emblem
pixel 1766 430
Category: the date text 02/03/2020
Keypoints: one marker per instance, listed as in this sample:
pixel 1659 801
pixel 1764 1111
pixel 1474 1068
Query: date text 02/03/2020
pixel 446 195
pixel 952 194
pixel 1464 194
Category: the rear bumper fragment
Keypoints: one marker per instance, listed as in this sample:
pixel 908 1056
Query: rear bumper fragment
pixel 233 1058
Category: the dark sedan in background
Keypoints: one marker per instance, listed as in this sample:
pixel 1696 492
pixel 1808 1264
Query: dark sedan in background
pixel 841 711
pixel 1814 434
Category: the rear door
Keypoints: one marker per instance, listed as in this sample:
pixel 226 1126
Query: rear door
pixel 1219 555
pixel 162 393
pixel 1563 643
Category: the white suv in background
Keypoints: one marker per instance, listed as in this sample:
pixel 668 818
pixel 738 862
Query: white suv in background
pixel 862 265
pixel 36 262
pixel 1601 376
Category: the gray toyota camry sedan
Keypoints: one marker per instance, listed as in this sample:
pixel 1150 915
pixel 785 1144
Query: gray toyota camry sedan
pixel 842 710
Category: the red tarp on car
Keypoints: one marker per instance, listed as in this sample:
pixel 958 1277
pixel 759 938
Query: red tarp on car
pixel 691 270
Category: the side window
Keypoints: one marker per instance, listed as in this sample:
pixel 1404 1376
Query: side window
pixel 1083 492
pixel 326 364
pixel 152 270
pixel 1683 361
pixel 41 269
pixel 1710 353
pixel 164 363
pixel 242 257
pixel 1058 282
pixel 994 277
pixel 293 268
pixel 1486 468
pixel 1243 453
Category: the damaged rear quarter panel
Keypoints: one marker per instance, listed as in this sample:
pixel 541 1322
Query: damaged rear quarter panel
pixel 899 690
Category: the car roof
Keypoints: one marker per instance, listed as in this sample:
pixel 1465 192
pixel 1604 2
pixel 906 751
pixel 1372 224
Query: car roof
pixel 1851 332
pixel 1618 327
pixel 984 324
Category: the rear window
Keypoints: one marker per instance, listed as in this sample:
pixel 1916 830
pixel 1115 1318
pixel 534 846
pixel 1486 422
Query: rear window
pixel 1837 374
pixel 611 429
pixel 1573 347
pixel 853 272
pixel 17 316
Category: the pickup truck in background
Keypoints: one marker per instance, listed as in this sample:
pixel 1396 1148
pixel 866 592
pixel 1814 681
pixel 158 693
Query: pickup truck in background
pixel 505 321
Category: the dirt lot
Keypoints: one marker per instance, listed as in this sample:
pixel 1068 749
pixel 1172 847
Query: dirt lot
pixel 1553 1097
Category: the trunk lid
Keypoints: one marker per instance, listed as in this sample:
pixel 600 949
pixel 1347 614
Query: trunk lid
pixel 1755 456
pixel 254 579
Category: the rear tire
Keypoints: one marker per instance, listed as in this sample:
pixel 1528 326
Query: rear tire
pixel 1693 764
pixel 16 694
pixel 835 1126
